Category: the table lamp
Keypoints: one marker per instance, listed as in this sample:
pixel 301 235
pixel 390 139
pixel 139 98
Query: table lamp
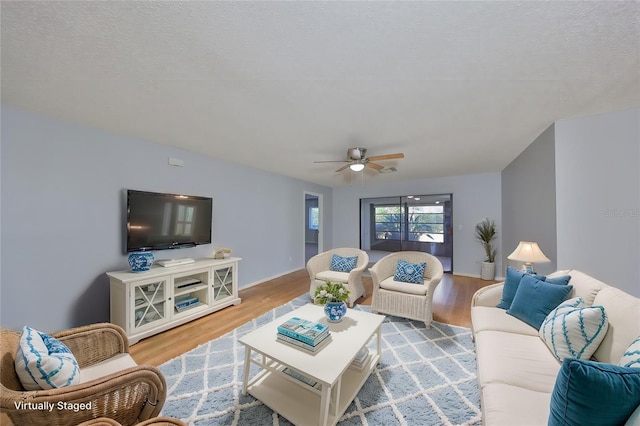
pixel 528 253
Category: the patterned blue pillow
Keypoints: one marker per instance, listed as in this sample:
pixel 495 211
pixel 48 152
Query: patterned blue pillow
pixel 343 264
pixel 44 362
pixel 593 393
pixel 574 330
pixel 631 357
pixel 410 272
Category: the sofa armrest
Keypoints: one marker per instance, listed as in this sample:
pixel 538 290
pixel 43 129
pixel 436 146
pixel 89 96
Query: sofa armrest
pixel 94 343
pixel 488 296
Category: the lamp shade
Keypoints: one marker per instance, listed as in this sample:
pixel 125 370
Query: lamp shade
pixel 356 167
pixel 528 252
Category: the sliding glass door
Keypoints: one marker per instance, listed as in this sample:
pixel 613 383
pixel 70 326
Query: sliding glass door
pixel 411 222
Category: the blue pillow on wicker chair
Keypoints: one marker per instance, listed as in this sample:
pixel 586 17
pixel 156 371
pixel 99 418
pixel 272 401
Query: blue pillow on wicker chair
pixel 410 272
pixel 343 264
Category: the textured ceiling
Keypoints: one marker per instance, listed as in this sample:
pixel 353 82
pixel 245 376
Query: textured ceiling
pixel 459 87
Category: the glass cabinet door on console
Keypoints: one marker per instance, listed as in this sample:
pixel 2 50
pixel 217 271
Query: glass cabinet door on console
pixel 149 304
pixel 223 283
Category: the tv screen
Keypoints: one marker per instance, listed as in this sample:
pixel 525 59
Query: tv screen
pixel 158 221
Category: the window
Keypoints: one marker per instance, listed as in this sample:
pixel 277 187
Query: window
pixel 388 222
pixel 313 217
pixel 425 223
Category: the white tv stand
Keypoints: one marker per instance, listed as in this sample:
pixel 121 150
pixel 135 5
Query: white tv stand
pixel 169 263
pixel 147 303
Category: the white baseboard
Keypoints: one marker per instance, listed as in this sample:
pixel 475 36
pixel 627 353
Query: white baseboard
pixel 269 278
pixel 475 276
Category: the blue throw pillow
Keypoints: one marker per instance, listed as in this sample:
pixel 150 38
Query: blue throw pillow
pixel 343 264
pixel 631 357
pixel 410 272
pixel 535 299
pixel 44 362
pixel 563 280
pixel 594 393
pixel 513 281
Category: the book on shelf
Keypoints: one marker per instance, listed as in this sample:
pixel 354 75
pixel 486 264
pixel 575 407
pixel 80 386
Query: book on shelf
pixel 291 341
pixel 360 359
pixel 304 330
pixel 184 302
pixel 304 379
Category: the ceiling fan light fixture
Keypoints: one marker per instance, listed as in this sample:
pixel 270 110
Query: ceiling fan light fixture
pixel 356 167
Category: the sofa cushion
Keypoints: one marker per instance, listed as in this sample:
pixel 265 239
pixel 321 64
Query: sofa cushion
pixel 44 362
pixel 334 276
pixel 409 272
pixel 631 357
pixel 588 392
pixel 623 313
pixel 508 405
pixel 574 330
pixel 584 286
pixel 515 359
pixel 343 264
pixel 391 284
pixel 485 318
pixel 535 298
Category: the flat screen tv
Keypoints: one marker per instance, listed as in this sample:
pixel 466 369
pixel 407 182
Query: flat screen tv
pixel 157 221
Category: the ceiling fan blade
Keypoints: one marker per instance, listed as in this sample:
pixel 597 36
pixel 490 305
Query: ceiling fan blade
pixel 374 166
pixel 332 161
pixel 342 168
pixel 386 157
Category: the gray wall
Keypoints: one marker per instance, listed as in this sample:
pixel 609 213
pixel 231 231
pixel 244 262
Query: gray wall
pixel 529 201
pixel 62 207
pixel 474 198
pixel 598 197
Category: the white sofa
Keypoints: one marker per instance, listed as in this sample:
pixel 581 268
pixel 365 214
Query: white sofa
pixel 516 369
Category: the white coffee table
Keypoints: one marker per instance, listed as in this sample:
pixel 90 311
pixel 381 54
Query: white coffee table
pixel 336 383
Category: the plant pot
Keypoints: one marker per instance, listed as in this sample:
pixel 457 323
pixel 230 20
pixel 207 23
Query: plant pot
pixel 335 311
pixel 488 271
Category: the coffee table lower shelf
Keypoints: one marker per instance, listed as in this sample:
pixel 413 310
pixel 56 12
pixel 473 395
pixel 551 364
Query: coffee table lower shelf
pixel 297 402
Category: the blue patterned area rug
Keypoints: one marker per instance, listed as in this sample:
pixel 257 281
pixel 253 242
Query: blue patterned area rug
pixel 425 377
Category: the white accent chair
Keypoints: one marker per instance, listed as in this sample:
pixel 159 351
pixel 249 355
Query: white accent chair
pixel 406 300
pixel 319 268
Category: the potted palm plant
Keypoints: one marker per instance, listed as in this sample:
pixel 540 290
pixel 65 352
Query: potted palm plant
pixel 486 233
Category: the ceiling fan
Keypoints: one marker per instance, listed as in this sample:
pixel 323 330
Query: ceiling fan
pixel 357 161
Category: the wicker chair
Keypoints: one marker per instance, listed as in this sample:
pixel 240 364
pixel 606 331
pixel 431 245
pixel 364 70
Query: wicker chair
pixel 319 272
pixel 128 393
pixel 405 300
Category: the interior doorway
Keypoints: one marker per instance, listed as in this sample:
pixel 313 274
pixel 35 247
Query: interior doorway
pixel 312 225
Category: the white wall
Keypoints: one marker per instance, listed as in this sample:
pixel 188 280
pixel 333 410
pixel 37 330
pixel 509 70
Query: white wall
pixel 474 198
pixel 598 197
pixel 62 209
pixel 529 201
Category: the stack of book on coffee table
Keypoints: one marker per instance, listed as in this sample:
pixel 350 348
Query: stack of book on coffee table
pixel 308 335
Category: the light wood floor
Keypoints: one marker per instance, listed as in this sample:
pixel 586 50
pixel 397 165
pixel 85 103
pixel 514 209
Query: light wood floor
pixel 452 300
